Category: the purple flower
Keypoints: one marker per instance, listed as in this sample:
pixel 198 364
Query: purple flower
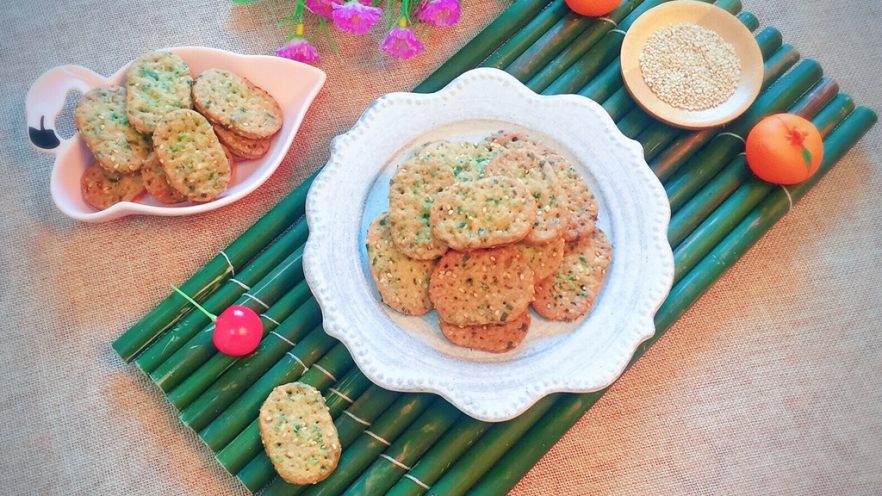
pixel 299 49
pixel 402 43
pixel 355 17
pixel 440 13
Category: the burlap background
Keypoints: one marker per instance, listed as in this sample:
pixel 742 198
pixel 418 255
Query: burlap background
pixel 771 384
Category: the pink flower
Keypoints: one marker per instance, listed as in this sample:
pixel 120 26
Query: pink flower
pixel 355 17
pixel 299 49
pixel 322 8
pixel 402 43
pixel 440 13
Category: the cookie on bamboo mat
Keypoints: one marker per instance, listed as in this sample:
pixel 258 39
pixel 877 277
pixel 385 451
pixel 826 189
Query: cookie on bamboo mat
pixel 237 104
pixel 246 148
pixel 570 292
pixel 482 286
pixel 191 155
pixel 157 83
pixel 102 188
pixel 484 213
pixel 528 166
pixel 298 434
pixel 156 182
pixel 412 191
pixel 101 120
pixel 543 258
pixel 578 199
pixel 493 338
pixel 402 281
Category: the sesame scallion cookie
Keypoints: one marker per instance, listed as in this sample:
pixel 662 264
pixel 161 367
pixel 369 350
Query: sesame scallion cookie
pixel 578 200
pixel 482 286
pixel 102 188
pixel 298 434
pixel 156 83
pixel 412 191
pixel 530 167
pixel 246 148
pixel 402 281
pixel 493 338
pixel 466 160
pixel 235 103
pixel 191 155
pixel 570 292
pixel 156 182
pixel 543 258
pixel 484 213
pixel 101 121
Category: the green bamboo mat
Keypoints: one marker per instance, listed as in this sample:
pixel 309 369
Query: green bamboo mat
pixel 411 444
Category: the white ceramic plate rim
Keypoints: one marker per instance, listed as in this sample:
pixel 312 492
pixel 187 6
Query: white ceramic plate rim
pixel 46 97
pixel 490 388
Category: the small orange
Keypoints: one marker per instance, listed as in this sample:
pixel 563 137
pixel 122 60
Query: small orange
pixel 784 149
pixel 593 8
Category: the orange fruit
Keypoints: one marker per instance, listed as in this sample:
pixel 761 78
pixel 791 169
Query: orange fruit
pixel 784 149
pixel 593 8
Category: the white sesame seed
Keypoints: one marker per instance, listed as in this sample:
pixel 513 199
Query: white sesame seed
pixel 690 67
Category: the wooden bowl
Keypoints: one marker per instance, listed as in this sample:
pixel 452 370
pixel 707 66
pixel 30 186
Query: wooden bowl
pixel 709 17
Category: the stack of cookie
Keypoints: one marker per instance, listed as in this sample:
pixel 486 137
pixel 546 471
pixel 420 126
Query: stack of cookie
pixel 483 231
pixel 146 134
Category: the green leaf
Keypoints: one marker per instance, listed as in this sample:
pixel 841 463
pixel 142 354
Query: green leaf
pixel 243 2
pixel 807 157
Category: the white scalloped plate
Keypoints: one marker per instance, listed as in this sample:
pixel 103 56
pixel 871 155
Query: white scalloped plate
pixel 409 353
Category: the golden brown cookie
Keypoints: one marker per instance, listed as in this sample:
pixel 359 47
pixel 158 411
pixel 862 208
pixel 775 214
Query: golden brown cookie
pixel 578 200
pixel 101 121
pixel 157 83
pixel 543 258
pixel 480 214
pixel 156 182
pixel 493 338
pixel 235 103
pixel 298 434
pixel 466 160
pixel 571 291
pixel 412 191
pixel 192 157
pixel 246 148
pixel 481 287
pixel 403 282
pixel 102 188
pixel 531 168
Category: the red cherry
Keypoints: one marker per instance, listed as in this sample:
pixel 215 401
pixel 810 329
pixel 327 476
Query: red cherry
pixel 237 331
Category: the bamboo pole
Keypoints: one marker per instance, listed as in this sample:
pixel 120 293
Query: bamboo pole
pixel 723 219
pixel 246 445
pixel 480 458
pixel 724 146
pixel 407 450
pixel 238 414
pixel 174 370
pixel 705 201
pixel 524 38
pixel 240 373
pixel 512 20
pixel 215 272
pixel 225 296
pixel 584 43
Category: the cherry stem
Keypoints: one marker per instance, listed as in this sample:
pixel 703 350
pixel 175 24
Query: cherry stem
pixel 210 315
